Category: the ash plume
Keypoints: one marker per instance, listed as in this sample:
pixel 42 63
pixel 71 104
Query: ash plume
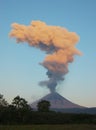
pixel 57 42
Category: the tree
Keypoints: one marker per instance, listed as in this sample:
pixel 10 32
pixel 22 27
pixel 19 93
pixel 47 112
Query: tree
pixel 22 109
pixel 3 102
pixel 19 102
pixel 43 106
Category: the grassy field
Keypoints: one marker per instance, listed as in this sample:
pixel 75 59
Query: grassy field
pixel 50 127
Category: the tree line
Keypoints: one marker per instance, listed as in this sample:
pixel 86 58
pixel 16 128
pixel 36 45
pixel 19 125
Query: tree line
pixel 20 112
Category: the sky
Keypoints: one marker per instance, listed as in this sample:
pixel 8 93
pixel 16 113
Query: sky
pixel 20 71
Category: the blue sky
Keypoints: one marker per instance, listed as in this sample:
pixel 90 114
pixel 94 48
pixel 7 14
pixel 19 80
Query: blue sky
pixel 20 71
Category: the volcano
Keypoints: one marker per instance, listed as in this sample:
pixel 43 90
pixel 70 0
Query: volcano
pixel 57 102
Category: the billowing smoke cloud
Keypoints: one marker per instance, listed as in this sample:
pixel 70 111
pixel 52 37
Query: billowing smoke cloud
pixel 57 42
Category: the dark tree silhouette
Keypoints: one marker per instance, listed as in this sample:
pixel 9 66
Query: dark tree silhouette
pixel 3 102
pixel 43 106
pixel 19 102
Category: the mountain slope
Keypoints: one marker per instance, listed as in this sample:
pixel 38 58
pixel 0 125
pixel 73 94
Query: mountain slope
pixel 57 102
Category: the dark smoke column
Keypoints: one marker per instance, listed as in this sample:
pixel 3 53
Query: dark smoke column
pixel 55 74
pixel 57 42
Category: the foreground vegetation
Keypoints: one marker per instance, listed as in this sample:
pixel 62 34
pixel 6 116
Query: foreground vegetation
pixel 50 127
pixel 20 113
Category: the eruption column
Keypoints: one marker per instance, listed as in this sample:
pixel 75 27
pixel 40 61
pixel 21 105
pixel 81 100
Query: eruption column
pixel 57 42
